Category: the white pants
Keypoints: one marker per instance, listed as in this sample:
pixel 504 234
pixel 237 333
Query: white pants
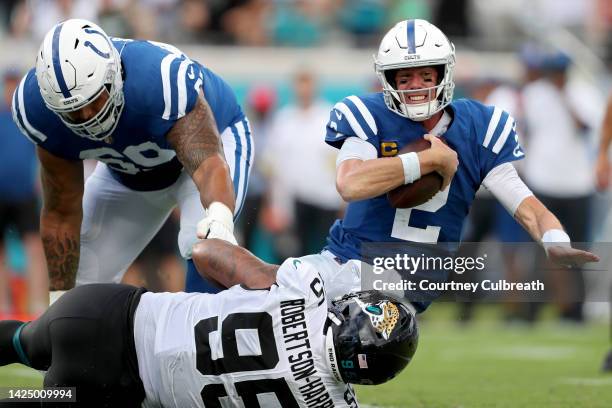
pixel 119 222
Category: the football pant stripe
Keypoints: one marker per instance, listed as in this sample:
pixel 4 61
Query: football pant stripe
pixel 19 114
pixel 344 109
pixel 237 155
pixel 365 112
pixel 245 163
pixel 182 87
pixel 492 126
pixel 504 135
pixel 165 77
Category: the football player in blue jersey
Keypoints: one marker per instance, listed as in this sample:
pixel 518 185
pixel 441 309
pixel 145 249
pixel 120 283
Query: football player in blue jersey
pixel 165 130
pixel 415 64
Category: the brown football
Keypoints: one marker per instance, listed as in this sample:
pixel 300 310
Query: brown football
pixel 421 191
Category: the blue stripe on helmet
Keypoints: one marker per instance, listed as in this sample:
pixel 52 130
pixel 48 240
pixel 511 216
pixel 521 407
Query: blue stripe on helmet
pixel 411 35
pixel 57 68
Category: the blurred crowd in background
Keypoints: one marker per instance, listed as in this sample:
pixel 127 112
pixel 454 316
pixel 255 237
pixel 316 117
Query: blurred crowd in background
pixel 292 200
pixel 483 24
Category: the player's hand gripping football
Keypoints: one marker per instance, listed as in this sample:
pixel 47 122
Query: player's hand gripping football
pixel 444 158
pixel 570 257
pixel 218 223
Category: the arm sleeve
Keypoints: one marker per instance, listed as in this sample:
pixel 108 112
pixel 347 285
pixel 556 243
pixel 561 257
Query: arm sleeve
pixel 356 148
pixel 506 185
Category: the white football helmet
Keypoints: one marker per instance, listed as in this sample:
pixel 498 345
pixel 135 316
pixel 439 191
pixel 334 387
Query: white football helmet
pixel 416 43
pixel 75 64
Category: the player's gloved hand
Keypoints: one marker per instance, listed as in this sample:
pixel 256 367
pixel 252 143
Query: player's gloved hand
pixel 54 295
pixel 218 223
pixel 445 159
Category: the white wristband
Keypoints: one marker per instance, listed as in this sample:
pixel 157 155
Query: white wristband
pixel 412 167
pixel 555 237
pixel 54 295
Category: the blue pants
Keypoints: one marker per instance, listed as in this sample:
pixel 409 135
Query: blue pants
pixel 194 282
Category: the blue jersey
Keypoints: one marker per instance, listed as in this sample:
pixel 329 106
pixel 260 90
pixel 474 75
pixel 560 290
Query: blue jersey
pixel 483 137
pixel 160 85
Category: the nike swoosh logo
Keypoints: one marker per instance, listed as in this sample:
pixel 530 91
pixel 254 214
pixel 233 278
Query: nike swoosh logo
pixel 190 74
pixel 296 262
pixel 338 114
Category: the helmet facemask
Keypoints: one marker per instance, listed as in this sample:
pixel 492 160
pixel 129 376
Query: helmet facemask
pixel 438 96
pixel 106 120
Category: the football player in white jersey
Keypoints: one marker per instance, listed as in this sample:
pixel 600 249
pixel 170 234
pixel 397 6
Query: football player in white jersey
pixel 165 130
pixel 272 340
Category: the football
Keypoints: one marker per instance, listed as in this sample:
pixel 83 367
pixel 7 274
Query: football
pixel 421 191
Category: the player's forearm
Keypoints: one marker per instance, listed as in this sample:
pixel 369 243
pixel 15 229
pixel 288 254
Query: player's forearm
pixel 60 235
pixel 536 218
pixel 229 265
pixel 361 180
pixel 214 182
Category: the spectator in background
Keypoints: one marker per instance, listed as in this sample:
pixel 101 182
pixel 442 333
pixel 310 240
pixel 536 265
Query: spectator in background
pixel 297 24
pixel 602 171
pixel 261 102
pixel 364 19
pixel 303 172
pixel 246 22
pixel 19 206
pixel 44 14
pixel 453 17
pixel 7 8
pixel 413 8
pixel 559 117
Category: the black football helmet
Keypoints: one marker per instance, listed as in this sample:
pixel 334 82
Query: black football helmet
pixel 370 337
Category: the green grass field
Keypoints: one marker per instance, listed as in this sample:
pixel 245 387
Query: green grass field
pixel 486 364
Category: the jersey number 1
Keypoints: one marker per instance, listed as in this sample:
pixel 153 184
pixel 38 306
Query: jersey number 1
pixel 232 361
pixel 401 223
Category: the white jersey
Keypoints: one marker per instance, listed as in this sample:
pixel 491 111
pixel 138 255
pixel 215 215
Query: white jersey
pixel 239 348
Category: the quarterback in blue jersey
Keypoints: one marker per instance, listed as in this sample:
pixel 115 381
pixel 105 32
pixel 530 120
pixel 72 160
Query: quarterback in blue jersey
pixel 415 65
pixel 165 130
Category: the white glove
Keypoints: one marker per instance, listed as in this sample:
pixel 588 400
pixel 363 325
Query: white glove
pixel 218 223
pixel 54 295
